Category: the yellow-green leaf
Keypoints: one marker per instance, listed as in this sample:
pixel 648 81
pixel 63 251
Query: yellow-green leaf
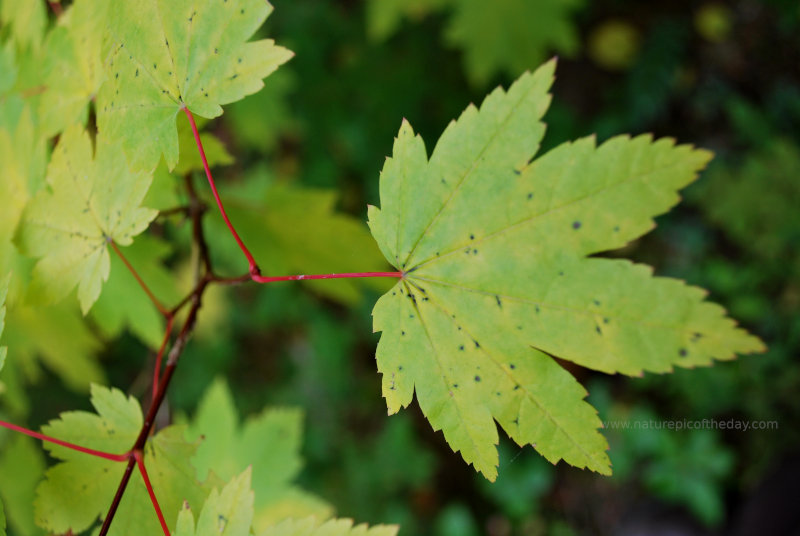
pixel 228 447
pixel 225 513
pixel 171 54
pixel 496 254
pixel 73 65
pixel 79 489
pixel 90 200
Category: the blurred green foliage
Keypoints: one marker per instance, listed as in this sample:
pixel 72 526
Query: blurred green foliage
pixel 721 76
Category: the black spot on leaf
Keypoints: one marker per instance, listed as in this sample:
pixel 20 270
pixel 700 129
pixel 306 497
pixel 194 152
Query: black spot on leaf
pixel 576 225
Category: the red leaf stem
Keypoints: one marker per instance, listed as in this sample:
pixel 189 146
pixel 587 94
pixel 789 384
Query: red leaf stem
pixel 264 279
pixel 161 309
pixel 250 259
pixel 85 450
pixel 140 462
pixel 160 354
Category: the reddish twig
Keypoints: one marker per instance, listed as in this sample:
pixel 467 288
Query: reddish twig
pixel 264 279
pixel 161 309
pixel 160 354
pixel 137 454
pixel 126 476
pixel 149 420
pixel 250 259
pixel 85 450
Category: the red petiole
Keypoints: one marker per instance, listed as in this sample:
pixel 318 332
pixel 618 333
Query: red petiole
pixel 250 259
pixel 264 279
pixel 137 454
pixel 72 446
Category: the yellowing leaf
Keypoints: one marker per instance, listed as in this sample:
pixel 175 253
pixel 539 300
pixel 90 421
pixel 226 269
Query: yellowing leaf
pixel 334 527
pixel 225 513
pixel 171 54
pixel 79 489
pixel 90 200
pixel 73 65
pixel 497 275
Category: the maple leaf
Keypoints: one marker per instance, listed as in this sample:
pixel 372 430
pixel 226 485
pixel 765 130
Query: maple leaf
pixel 73 65
pixel 334 527
pixel 510 35
pixel 2 520
pixel 90 200
pixel 80 488
pixel 225 513
pixel 171 54
pixel 270 441
pixel 496 254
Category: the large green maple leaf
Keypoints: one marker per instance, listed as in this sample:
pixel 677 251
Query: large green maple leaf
pixel 498 273
pixel 171 54
pixel 228 447
pixel 78 490
pixel 90 200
